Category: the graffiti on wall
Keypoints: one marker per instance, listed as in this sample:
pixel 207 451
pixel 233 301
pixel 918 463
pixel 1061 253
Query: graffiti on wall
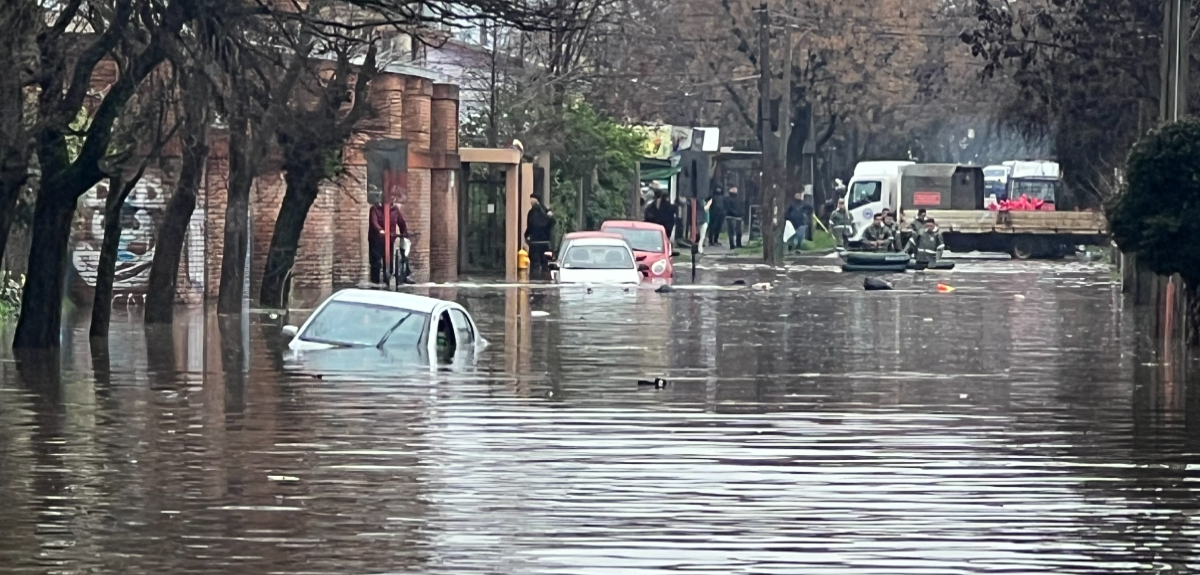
pixel 140 215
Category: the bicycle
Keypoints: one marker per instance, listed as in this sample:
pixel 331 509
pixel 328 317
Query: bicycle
pixel 400 269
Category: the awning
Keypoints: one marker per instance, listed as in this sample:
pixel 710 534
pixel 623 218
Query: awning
pixel 650 173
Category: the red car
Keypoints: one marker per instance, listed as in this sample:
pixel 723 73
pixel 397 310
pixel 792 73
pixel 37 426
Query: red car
pixel 650 245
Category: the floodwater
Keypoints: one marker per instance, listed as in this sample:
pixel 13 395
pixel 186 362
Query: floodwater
pixel 1020 424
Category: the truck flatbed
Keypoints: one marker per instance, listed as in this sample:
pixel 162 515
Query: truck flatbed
pixel 1020 222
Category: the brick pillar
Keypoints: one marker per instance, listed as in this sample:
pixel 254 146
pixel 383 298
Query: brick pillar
pixel 214 197
pixel 416 125
pixel 416 215
pixel 417 109
pixel 443 241
pixel 387 94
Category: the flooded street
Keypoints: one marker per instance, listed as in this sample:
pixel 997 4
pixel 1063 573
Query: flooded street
pixel 1020 424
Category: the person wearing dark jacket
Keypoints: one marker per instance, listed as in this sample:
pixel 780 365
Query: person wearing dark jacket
pixel 716 217
pixel 799 214
pixel 539 231
pixel 662 212
pixel 734 213
pixel 375 239
pixel 927 245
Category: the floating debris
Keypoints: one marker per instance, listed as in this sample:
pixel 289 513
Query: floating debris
pixel 658 383
pixel 876 284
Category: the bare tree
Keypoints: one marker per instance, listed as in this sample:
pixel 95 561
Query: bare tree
pixel 150 116
pixel 131 33
pixel 195 111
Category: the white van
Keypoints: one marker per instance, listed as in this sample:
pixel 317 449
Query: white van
pixel 874 186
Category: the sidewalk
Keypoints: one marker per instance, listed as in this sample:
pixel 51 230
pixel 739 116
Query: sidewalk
pixel 752 251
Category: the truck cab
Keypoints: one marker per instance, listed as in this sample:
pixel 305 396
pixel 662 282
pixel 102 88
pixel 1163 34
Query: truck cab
pixel 1037 180
pixel 995 182
pixel 874 186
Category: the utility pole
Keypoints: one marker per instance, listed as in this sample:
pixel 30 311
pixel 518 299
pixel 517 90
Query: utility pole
pixel 779 190
pixel 1177 25
pixel 768 181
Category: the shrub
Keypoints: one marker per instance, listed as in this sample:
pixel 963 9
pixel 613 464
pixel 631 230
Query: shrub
pixel 1157 214
pixel 10 294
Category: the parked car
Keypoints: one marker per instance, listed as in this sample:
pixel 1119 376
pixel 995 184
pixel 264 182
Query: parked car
pixel 355 328
pixel 572 236
pixel 650 245
pixel 597 259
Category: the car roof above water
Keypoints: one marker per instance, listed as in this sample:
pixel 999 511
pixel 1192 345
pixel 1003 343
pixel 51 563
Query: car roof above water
pixel 631 224
pixel 588 235
pixel 396 300
pixel 599 241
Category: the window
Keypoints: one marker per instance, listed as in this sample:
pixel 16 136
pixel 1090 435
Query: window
pixel 446 340
pixel 462 327
pixel 355 324
pixel 597 258
pixel 1035 189
pixel 641 240
pixel 863 193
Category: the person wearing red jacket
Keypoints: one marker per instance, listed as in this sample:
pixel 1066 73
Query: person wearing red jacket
pixel 375 241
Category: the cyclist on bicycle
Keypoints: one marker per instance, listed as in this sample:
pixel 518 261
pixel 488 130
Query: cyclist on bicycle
pixel 375 242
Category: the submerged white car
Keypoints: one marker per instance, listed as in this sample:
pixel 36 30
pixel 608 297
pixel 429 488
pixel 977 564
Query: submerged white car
pixel 392 327
pixel 597 259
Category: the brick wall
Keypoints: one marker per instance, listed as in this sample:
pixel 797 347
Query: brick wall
pixel 417 215
pixel 349 227
pixel 214 196
pixel 141 219
pixel 333 250
pixel 265 198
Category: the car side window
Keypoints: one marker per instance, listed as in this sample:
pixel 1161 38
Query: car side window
pixel 462 327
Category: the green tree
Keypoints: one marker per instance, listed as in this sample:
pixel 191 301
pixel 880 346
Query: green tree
pixel 1154 216
pixel 593 143
pixel 1086 75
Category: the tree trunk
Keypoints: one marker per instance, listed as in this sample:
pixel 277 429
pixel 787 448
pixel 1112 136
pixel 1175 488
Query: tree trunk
pixel 106 269
pixel 14 139
pixel 164 271
pixel 41 301
pixel 302 189
pixel 237 219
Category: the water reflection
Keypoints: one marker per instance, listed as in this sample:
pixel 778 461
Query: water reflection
pixel 814 428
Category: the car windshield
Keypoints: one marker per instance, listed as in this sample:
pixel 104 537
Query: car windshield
pixel 597 258
pixel 863 193
pixel 1034 189
pixel 998 173
pixel 641 240
pixel 355 324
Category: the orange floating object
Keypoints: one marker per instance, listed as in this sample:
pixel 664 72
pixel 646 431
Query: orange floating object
pixel 945 288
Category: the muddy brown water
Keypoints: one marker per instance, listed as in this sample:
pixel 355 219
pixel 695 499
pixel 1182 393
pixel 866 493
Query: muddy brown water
pixel 1020 424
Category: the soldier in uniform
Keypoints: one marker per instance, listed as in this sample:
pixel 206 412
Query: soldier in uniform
pixel 928 245
pixel 917 225
pixel 841 223
pixel 878 237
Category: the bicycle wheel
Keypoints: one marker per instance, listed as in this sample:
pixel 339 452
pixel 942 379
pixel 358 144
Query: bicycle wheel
pixel 397 269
